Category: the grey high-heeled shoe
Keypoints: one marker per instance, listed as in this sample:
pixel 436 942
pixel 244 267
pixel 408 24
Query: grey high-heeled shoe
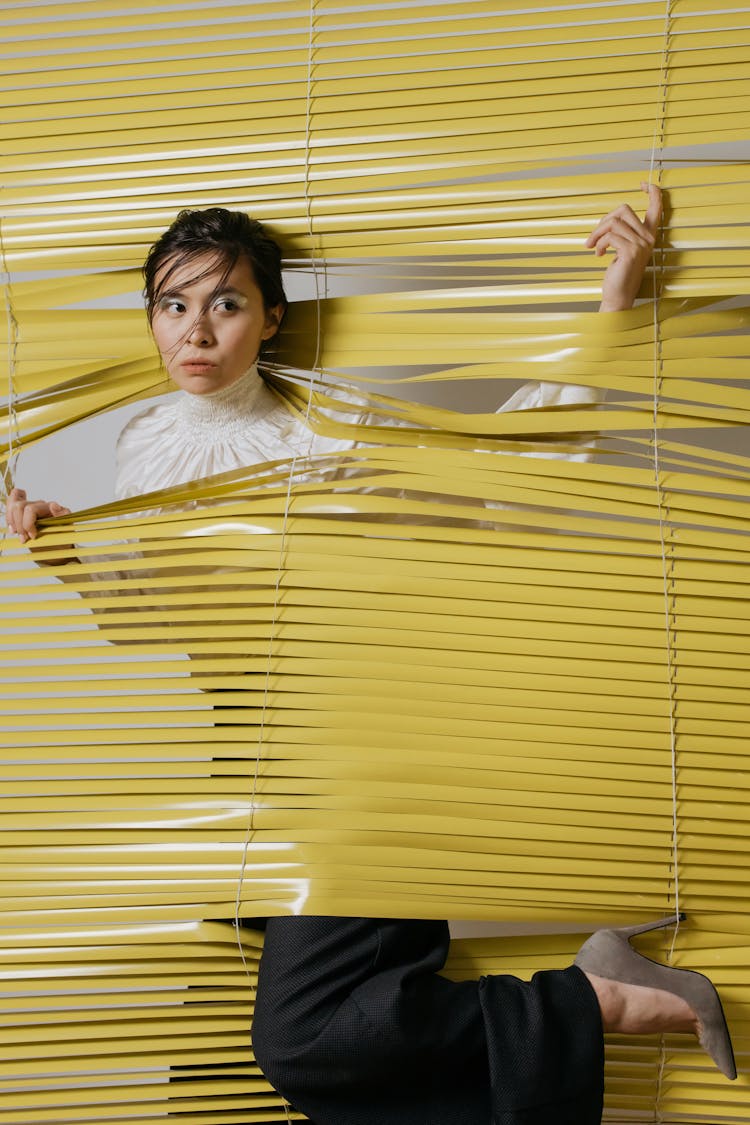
pixel 609 954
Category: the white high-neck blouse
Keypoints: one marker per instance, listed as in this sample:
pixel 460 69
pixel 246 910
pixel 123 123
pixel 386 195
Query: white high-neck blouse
pixel 187 436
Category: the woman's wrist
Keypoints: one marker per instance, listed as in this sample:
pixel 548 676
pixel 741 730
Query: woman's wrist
pixel 614 305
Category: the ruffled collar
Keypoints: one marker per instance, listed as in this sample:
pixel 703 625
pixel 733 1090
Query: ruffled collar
pixel 224 413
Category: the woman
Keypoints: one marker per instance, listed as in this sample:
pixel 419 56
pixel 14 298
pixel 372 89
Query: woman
pixel 353 1024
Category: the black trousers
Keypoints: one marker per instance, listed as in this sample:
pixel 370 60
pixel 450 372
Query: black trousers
pixel 353 1026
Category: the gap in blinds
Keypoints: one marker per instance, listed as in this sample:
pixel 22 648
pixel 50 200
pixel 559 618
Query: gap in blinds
pixel 486 665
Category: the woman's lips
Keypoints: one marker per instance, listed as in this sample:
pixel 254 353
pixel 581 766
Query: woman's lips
pixel 197 366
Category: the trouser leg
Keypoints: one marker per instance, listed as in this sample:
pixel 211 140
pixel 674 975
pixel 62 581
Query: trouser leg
pixel 545 1047
pixel 354 1026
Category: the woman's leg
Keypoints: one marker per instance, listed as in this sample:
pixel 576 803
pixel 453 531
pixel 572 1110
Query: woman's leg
pixel 354 1027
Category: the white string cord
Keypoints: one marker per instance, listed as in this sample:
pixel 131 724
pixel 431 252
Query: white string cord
pixel 663 503
pixel 664 517
pixel 318 265
pixel 10 465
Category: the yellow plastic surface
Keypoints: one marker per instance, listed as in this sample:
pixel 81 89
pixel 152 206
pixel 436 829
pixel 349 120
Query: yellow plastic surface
pixel 439 675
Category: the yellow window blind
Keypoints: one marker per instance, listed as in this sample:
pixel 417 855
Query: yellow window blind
pixel 489 666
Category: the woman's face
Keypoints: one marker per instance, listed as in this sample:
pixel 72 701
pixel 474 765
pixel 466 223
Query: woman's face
pixel 209 337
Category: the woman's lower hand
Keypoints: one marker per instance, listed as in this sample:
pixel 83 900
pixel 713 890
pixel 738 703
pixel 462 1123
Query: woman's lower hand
pixel 633 240
pixel 22 514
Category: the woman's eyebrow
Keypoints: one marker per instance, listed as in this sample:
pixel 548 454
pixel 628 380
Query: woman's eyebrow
pixel 229 290
pixel 181 291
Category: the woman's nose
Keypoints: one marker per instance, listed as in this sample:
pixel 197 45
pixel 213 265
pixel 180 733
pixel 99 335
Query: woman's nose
pixel 200 335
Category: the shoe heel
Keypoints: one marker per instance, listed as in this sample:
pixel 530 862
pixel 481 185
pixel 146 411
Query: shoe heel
pixel 631 931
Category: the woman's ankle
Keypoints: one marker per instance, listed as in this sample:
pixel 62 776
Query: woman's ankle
pixel 630 1009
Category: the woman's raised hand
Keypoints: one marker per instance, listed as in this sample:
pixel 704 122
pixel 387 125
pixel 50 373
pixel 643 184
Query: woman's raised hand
pixel 22 514
pixel 633 241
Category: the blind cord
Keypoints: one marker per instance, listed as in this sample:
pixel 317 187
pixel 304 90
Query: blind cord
pixel 13 451
pixel 656 165
pixel 663 502
pixel 320 282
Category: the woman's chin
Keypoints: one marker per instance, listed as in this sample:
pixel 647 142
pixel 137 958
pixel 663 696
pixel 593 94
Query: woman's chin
pixel 199 379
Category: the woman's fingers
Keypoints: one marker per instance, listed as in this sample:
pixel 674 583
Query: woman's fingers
pixel 32 511
pixel 646 229
pixel 622 246
pixel 626 223
pixel 625 217
pixel 22 514
pixel 652 217
pixel 14 507
pixel 620 233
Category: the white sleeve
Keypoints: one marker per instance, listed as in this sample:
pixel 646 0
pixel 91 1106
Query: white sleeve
pixel 535 396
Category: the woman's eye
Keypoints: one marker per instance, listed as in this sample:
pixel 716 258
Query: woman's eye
pixel 171 305
pixel 226 304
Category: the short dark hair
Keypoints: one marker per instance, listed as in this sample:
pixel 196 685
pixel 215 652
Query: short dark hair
pixel 228 235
